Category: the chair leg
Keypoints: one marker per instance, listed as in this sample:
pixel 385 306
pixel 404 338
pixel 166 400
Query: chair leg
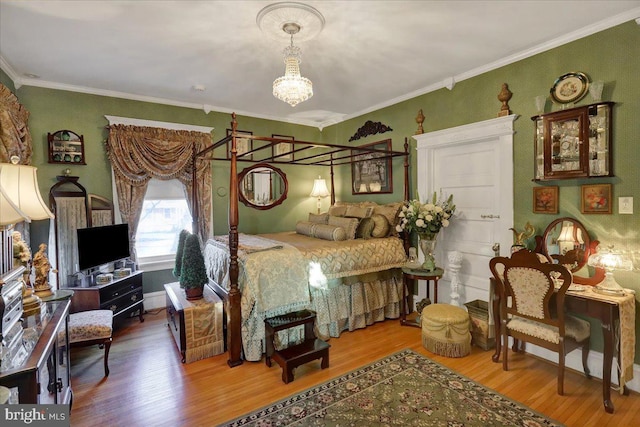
pixel 561 369
pixel 585 356
pixel 107 346
pixel 505 350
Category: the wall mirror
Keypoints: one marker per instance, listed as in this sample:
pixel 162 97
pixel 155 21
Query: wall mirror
pixel 566 241
pixel 262 186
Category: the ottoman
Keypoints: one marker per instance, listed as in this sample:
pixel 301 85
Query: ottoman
pixel 446 330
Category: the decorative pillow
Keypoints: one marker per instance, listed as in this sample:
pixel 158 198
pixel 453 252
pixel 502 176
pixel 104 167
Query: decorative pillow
pixel 319 218
pixel 359 211
pixel 391 212
pixel 349 224
pixel 305 227
pixel 337 210
pixel 329 232
pixel 380 226
pixel 365 228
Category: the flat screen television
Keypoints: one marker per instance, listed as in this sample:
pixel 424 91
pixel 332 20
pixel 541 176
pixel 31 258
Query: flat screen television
pixel 101 245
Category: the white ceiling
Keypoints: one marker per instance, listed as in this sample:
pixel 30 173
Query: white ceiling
pixel 368 55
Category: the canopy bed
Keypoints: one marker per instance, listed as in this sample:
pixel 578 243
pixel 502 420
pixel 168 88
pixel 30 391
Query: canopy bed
pixel 278 273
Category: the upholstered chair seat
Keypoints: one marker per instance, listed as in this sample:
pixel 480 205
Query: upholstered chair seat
pixel 92 327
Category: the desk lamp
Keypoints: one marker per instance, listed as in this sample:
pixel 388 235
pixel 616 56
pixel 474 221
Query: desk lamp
pixel 610 261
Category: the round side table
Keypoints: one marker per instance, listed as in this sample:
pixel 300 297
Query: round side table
pixel 410 277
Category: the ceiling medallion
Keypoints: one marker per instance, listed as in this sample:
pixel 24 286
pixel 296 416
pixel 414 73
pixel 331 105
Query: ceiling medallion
pixel 288 19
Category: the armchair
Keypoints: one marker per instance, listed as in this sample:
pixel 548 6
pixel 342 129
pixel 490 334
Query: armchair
pixel 532 309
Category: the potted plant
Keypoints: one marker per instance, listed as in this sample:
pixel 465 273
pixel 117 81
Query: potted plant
pixel 177 268
pixel 193 275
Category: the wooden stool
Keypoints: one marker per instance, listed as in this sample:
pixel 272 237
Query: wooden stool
pixel 291 357
pixel 90 328
pixel 446 330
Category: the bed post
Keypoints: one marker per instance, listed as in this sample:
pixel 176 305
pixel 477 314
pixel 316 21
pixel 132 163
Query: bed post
pixel 405 235
pixel 234 315
pixel 333 192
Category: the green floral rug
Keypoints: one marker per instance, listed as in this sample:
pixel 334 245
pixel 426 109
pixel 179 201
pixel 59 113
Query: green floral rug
pixel 404 389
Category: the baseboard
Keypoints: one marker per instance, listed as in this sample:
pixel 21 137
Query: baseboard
pixel 155 300
pixel 574 361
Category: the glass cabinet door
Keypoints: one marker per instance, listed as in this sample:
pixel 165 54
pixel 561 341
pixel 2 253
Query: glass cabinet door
pixel 573 143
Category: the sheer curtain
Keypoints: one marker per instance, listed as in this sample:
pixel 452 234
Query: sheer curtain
pixel 139 153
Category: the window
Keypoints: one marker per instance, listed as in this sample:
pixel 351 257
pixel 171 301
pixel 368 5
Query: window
pixel 165 212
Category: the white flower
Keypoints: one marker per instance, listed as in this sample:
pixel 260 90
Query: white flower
pixel 401 215
pixel 399 228
pixel 445 222
pixel 420 223
pixel 428 218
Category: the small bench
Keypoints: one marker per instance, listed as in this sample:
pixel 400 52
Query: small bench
pixel 92 327
pixel 289 358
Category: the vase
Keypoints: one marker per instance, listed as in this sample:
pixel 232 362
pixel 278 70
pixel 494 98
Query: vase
pixel 428 248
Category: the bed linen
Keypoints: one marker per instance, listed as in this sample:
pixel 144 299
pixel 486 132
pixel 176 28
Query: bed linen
pixel 350 284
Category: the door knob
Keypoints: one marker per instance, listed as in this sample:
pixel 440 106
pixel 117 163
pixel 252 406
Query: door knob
pixel 496 249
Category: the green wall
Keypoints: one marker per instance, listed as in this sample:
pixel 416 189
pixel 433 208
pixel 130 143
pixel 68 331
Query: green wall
pixel 612 56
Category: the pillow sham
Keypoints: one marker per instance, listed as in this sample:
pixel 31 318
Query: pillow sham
pixel 380 226
pixel 337 210
pixel 391 212
pixel 365 228
pixel 322 218
pixel 359 211
pixel 350 225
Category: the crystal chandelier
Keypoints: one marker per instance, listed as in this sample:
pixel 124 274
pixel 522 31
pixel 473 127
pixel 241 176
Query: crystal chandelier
pixel 292 88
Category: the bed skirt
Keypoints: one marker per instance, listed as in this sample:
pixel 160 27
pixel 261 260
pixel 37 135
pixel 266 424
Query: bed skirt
pixel 346 304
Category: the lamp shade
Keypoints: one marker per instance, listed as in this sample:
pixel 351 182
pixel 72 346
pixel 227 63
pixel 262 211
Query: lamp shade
pixel 20 198
pixel 319 188
pixel 610 261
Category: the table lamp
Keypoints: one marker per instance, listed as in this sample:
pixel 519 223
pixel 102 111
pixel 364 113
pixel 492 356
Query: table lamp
pixel 610 261
pixel 319 190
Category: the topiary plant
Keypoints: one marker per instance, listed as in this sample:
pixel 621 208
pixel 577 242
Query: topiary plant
pixel 194 274
pixel 177 268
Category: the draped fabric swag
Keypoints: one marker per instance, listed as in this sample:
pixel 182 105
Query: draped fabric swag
pixel 15 138
pixel 139 153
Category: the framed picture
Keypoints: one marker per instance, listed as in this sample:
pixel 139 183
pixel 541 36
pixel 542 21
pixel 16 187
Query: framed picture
pixel 243 145
pixel 545 200
pixel 371 172
pixel 283 152
pixel 596 199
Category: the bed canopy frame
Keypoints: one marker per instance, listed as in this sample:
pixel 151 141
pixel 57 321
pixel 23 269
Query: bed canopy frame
pixel 306 153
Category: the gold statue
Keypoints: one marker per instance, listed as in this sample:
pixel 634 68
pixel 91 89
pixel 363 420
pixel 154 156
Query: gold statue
pixel 43 267
pixel 520 236
pixel 419 120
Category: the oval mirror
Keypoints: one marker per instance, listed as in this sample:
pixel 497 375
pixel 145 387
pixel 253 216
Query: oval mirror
pixel 566 242
pixel 262 186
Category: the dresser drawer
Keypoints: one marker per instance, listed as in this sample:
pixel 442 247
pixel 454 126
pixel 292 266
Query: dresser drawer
pixel 122 302
pixel 118 290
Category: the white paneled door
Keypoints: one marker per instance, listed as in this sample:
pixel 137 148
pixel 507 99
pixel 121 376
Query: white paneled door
pixel 474 163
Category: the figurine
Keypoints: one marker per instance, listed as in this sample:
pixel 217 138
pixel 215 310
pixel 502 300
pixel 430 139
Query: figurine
pixel 43 267
pixel 519 237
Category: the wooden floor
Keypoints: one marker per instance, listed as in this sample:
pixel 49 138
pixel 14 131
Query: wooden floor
pixel 148 386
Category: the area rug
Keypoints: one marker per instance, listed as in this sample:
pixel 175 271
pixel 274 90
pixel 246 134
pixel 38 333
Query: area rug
pixel 404 389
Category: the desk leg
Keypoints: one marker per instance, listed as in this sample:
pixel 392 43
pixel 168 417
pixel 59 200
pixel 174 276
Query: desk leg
pixel 607 333
pixel 403 301
pixel 435 290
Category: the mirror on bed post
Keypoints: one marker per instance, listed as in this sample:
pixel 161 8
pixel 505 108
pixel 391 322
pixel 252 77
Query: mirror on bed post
pixel 234 314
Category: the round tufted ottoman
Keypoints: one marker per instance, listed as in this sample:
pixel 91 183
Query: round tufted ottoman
pixel 446 330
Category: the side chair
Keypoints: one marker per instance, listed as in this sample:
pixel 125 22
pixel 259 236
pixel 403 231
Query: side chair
pixel 532 308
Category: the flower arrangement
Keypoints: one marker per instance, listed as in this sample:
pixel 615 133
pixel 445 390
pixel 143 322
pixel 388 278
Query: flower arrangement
pixel 426 219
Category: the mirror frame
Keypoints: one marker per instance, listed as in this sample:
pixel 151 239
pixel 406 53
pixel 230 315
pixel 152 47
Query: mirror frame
pixel 591 247
pixel 247 171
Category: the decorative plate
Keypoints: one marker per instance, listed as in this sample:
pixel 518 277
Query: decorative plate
pixel 570 87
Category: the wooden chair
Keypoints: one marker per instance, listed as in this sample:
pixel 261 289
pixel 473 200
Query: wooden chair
pixel 532 310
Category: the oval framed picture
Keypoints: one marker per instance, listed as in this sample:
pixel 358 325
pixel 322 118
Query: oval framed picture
pixel 570 87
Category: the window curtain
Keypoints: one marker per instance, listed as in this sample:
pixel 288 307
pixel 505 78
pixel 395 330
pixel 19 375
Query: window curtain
pixel 139 153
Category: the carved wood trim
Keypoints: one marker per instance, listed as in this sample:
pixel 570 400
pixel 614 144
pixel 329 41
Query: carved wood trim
pixel 370 128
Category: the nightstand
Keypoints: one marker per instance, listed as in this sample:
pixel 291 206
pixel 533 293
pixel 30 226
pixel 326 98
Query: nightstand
pixel 410 277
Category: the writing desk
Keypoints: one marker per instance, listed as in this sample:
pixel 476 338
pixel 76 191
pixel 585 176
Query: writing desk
pixel 607 309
